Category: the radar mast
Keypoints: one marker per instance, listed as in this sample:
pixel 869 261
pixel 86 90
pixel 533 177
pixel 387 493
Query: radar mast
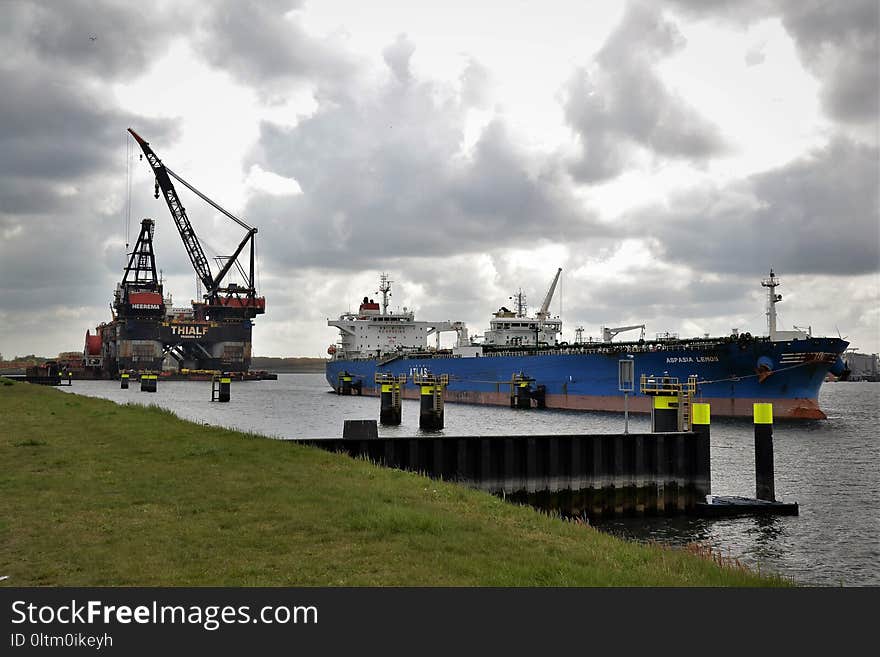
pixel 771 284
pixel 385 289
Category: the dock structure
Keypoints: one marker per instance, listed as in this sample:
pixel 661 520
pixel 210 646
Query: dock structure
pixel 523 390
pixel 575 475
pixel 665 472
pixel 149 382
pixel 431 392
pixel 764 502
pixel 391 408
pixel 346 385
pixel 220 388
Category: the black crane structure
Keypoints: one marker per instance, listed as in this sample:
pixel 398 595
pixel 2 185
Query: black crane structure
pixel 220 301
pixel 142 262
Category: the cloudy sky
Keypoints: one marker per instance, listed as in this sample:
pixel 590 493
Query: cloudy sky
pixel 664 154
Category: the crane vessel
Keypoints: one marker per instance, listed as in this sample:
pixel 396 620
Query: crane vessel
pixel 212 334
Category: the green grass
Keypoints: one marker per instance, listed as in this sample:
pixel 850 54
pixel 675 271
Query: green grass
pixel 94 493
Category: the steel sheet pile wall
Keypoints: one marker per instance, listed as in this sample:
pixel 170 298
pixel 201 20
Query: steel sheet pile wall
pixel 592 475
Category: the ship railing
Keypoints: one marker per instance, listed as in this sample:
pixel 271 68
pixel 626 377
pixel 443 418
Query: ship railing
pixel 427 379
pixel 650 384
pixel 570 349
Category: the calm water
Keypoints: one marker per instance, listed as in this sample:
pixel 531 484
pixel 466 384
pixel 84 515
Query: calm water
pixel 829 467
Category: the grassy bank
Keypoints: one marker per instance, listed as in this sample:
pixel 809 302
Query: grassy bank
pixel 94 493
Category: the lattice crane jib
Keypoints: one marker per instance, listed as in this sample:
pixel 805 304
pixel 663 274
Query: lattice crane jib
pixel 216 295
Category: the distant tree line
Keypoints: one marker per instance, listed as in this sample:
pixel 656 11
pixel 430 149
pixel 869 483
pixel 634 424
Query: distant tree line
pixel 273 364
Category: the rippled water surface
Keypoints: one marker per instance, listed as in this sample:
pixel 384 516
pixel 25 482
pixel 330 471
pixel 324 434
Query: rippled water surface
pixel 829 467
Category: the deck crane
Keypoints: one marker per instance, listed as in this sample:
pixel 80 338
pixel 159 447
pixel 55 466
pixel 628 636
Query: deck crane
pixel 220 302
pixel 609 333
pixel 544 313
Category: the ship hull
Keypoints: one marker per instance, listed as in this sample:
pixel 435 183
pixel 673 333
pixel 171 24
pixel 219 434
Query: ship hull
pixel 732 374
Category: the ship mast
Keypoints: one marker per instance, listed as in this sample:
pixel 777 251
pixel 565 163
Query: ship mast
pixel 772 299
pixel 520 299
pixel 385 289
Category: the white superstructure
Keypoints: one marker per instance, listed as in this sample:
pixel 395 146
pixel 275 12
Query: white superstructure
pixel 513 328
pixel 375 332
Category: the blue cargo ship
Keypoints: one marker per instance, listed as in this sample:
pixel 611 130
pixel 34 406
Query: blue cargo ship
pixel 786 368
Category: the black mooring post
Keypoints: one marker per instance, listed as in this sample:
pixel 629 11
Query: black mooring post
pixel 123 381
pixel 220 388
pixel 389 399
pixel 764 487
pixel 664 414
pixel 701 462
pixel 387 413
pixel 431 404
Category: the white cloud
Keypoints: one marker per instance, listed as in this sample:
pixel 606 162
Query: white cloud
pixel 448 169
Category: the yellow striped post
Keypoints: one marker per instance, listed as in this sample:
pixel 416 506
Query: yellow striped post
pixel 764 484
pixel 390 411
pixel 664 413
pixel 700 424
pixel 763 413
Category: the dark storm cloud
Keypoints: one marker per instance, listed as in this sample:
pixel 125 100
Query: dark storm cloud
pixel 621 102
pixel 650 295
pixel 61 150
pixel 818 214
pixel 382 172
pixel 109 39
pixel 54 130
pixel 262 42
pixel 839 42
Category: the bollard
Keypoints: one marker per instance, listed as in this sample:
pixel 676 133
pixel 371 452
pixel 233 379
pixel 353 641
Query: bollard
pixel 149 382
pixel 430 418
pixel 431 400
pixel 700 423
pixel 123 381
pixel 522 393
pixel 520 397
pixel 664 414
pixel 764 487
pixel 390 411
pixel 343 383
pixel 220 388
